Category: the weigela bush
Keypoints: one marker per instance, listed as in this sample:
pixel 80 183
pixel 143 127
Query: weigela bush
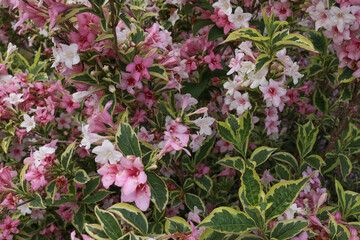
pixel 134 119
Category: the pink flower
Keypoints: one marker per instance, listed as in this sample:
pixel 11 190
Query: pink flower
pixel 139 68
pixel 146 96
pixel 201 169
pixel 272 126
pixel 132 176
pixel 67 102
pixel 282 10
pixel 227 172
pixel 6 175
pixel 240 102
pixel 128 82
pixel 141 196
pixel 267 177
pixel 110 173
pixel 184 101
pixel 272 93
pixel 292 96
pixel 9 226
pixel 303 236
pixel 214 61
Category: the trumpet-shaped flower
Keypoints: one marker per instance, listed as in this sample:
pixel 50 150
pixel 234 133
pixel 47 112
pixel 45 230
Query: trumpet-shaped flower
pixel 107 153
pixel 139 68
pixel 28 123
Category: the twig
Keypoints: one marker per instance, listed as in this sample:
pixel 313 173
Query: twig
pixel 113 26
pixel 27 3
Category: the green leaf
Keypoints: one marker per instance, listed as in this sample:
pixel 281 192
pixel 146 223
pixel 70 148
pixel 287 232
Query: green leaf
pixel 283 172
pixel 67 155
pixel 246 34
pixel 345 165
pixel 210 234
pixel 282 195
pixel 5 143
pixel 81 177
pixel 315 161
pixel 37 202
pixel 51 190
pixel 345 95
pixel 199 24
pixel 127 140
pixel 250 182
pixel 318 40
pixel 340 194
pixel 261 154
pixel 215 32
pixel 320 101
pixel 205 149
pixel 228 220
pixel 109 223
pixel 192 201
pixel 83 77
pixel 159 191
pixel 176 225
pixel 294 40
pixel 263 60
pixel 96 197
pixel 306 138
pixel 105 99
pixel 158 71
pixel 96 231
pixel 288 229
pixel 137 36
pixel 205 182
pixel 345 75
pixel 91 186
pixel 232 162
pixel 131 215
pixel 286 158
pixel 78 218
pixel 342 233
pixel 226 132
pixel 243 132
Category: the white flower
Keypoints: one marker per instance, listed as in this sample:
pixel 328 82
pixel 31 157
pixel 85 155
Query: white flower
pixel 174 17
pixel 41 154
pixel 107 153
pixel 28 123
pixel 224 6
pixel 247 67
pixel 240 19
pixel 89 138
pixel 259 78
pixel 69 55
pixel 10 49
pixel 341 17
pixel 204 124
pixel 66 54
pixel 14 98
pixel 290 212
pixel 24 209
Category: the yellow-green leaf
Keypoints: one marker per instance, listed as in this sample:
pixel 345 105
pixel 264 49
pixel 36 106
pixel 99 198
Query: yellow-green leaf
pixel 228 220
pixel 131 215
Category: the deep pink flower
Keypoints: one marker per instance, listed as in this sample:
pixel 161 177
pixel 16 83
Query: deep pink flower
pixel 9 226
pixel 214 61
pixel 139 68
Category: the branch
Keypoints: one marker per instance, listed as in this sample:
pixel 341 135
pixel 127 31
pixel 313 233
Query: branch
pixel 113 26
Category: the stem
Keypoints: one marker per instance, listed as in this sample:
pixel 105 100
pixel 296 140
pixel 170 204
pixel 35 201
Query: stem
pixel 113 26
pixel 343 121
